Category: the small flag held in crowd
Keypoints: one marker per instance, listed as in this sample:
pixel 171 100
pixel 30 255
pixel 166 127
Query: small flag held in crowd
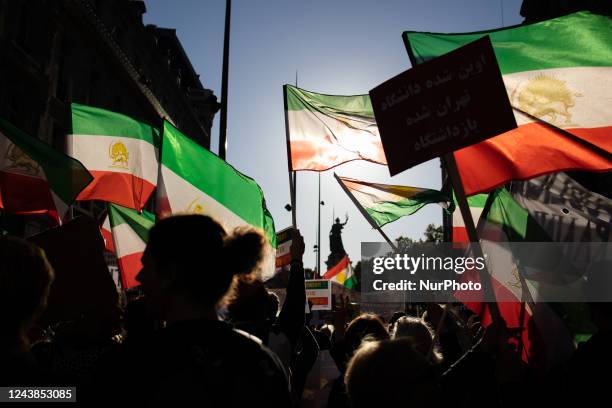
pixel 130 235
pixel 342 273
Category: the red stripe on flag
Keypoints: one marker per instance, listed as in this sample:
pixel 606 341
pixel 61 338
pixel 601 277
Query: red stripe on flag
pixel 109 244
pixel 120 188
pixel 529 151
pixel 340 266
pixel 129 266
pixel 460 234
pixel 21 194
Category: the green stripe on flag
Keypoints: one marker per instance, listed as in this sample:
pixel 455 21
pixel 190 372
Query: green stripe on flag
pixel 87 120
pixel 577 40
pixel 354 105
pixel 140 223
pixel 516 222
pixel 208 173
pixel 388 211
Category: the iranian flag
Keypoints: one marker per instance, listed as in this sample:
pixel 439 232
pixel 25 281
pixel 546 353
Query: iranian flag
pixel 324 131
pixel 342 273
pixel 34 177
pixel 476 204
pixel 552 208
pixel 385 203
pixel 195 180
pixel 120 153
pixel 107 235
pixel 130 231
pixel 558 75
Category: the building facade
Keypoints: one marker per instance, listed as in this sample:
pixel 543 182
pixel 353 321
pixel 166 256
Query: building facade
pixel 98 53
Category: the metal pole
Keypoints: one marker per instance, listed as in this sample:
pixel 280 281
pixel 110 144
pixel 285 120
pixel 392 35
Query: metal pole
pixel 223 120
pixel 319 231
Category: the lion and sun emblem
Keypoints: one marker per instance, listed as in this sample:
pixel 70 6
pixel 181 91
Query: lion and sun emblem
pixel 21 162
pixel 547 98
pixel 195 207
pixel 119 155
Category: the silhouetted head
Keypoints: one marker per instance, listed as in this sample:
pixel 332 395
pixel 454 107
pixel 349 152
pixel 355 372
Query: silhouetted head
pixel 365 325
pixel 25 278
pixel 252 302
pixel 419 334
pixel 193 257
pixel 390 374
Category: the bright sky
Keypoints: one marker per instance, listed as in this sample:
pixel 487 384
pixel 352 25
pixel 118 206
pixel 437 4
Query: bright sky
pixel 343 47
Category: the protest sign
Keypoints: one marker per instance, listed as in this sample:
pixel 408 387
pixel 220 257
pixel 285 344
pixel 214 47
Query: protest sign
pixel 442 105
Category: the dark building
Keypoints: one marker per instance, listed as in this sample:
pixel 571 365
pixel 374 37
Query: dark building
pixel 99 53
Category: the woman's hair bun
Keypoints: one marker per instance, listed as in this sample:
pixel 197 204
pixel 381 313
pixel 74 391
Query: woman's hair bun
pixel 244 250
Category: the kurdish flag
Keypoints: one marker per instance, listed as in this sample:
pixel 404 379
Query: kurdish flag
pixel 195 180
pixel 130 235
pixel 119 151
pixel 385 203
pixel 35 178
pixel 558 71
pixel 342 273
pixel 324 131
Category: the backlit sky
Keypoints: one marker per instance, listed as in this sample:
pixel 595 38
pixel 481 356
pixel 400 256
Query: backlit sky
pixel 343 47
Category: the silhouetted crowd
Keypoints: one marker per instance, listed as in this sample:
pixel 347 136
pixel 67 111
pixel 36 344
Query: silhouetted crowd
pixel 205 331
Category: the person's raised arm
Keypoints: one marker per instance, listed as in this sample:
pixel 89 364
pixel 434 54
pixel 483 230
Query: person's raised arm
pixel 291 317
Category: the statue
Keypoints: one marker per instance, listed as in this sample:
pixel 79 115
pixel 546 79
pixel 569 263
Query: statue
pixel 335 243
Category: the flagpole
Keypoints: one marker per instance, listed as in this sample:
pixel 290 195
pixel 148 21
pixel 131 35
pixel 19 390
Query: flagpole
pixel 292 174
pixel 365 213
pixel 485 278
pixel 319 231
pixel 223 120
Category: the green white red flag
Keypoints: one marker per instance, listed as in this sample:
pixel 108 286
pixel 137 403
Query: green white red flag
pixel 195 180
pixel 324 131
pixel 120 152
pixel 556 72
pixel 130 232
pixel 34 177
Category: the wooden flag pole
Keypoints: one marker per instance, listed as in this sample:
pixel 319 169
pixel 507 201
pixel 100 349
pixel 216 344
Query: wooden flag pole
pixel 485 278
pixel 365 214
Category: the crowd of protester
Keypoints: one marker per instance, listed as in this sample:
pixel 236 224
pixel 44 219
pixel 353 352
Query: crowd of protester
pixel 205 331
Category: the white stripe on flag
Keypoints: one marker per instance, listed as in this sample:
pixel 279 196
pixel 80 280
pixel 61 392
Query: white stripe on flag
pixel 93 152
pixel 127 242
